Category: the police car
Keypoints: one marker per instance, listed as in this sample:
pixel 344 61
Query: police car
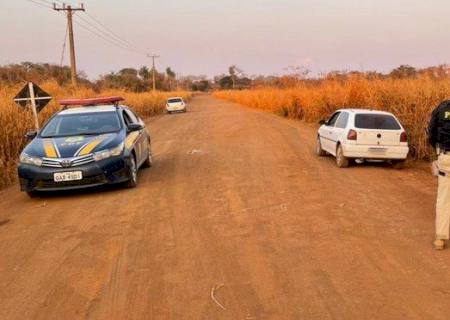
pixel 95 142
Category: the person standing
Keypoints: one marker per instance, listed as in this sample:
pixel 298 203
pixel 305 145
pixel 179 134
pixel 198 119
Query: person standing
pixel 439 138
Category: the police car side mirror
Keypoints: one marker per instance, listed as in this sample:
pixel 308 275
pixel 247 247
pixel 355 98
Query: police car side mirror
pixel 322 122
pixel 134 127
pixel 30 135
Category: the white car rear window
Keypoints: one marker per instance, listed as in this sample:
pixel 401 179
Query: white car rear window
pixel 175 100
pixel 376 121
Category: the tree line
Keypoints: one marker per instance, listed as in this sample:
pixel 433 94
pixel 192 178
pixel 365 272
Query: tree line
pixel 141 80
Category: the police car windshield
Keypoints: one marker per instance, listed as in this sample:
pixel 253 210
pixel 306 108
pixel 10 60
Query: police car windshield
pixel 81 124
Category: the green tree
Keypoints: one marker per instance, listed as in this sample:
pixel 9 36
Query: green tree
pixel 404 71
pixel 144 73
pixel 171 77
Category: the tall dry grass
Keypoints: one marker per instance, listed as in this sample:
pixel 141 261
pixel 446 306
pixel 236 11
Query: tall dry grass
pixel 411 100
pixel 15 121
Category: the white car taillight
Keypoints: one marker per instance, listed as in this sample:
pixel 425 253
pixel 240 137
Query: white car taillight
pixel 352 135
pixel 403 137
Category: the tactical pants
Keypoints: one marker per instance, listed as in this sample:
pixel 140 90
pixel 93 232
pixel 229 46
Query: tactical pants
pixel 443 198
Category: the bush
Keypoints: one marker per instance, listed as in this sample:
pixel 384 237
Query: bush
pixel 410 99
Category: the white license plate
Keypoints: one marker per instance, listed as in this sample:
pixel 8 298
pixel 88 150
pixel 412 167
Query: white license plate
pixel 378 150
pixel 67 176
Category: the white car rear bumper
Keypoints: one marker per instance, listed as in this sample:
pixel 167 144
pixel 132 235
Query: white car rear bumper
pixel 375 151
pixel 176 108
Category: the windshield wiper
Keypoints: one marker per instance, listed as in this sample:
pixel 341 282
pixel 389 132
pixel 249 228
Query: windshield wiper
pixel 73 135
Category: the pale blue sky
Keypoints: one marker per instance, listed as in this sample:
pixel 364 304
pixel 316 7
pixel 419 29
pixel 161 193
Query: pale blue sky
pixel 260 36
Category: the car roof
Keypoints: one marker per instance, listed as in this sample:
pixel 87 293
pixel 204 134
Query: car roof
pixel 365 111
pixel 89 109
pixel 175 98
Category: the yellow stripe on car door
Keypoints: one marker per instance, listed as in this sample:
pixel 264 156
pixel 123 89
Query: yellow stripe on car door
pixel 91 146
pixel 129 141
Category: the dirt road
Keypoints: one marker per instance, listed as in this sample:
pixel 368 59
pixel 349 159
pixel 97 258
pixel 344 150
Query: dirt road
pixel 236 201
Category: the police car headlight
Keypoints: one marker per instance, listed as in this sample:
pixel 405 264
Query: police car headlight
pixel 26 159
pixel 108 153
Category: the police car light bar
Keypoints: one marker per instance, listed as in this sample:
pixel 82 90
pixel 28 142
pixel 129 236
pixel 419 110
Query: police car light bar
pixel 91 101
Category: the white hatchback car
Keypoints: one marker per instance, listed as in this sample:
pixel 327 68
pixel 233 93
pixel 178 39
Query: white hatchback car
pixel 176 104
pixel 362 135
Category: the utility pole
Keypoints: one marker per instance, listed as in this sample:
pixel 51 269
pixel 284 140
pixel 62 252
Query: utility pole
pixel 70 12
pixel 154 70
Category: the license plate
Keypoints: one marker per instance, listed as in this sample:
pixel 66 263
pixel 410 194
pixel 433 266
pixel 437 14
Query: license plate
pixel 377 150
pixel 67 176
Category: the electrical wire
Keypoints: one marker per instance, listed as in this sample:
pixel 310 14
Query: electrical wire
pixel 64 45
pixel 112 33
pixel 109 40
pixel 107 35
pixel 39 3
pixel 48 2
pixel 99 35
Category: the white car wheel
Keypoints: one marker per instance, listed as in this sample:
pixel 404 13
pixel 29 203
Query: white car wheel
pixel 341 160
pixel 319 151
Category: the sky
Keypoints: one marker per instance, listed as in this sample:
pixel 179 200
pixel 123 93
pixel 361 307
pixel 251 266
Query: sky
pixel 259 36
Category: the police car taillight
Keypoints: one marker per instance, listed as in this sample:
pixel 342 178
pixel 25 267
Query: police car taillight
pixel 352 135
pixel 403 137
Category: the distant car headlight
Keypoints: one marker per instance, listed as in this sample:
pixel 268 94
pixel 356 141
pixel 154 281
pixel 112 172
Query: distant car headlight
pixel 26 159
pixel 108 153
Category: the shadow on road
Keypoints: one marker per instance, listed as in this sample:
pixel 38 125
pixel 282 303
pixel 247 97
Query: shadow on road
pixel 4 222
pixel 81 192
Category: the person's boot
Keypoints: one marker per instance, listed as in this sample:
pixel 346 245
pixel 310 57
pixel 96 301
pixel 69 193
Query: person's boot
pixel 438 244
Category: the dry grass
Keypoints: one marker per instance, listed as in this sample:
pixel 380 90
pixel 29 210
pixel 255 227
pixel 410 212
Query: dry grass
pixel 15 122
pixel 411 100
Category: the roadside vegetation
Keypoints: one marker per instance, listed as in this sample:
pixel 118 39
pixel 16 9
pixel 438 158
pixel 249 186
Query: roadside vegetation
pixel 16 121
pixel 410 96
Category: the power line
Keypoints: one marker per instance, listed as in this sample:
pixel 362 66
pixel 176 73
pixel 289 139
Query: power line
pixel 39 3
pixel 64 45
pixel 48 2
pixel 110 41
pixel 115 35
pixel 109 36
pixel 106 35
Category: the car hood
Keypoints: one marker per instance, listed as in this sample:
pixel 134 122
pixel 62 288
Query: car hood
pixel 72 146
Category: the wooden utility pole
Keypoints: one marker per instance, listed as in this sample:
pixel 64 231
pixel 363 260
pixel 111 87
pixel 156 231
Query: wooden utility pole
pixel 153 70
pixel 33 105
pixel 69 12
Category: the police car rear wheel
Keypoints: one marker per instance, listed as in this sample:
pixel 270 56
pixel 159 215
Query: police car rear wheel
pixel 132 183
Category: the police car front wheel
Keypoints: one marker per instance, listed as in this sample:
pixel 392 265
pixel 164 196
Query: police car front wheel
pixel 32 194
pixel 132 183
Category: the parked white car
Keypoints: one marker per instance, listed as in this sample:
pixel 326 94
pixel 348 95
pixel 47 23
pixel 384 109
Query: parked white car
pixel 176 104
pixel 362 135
